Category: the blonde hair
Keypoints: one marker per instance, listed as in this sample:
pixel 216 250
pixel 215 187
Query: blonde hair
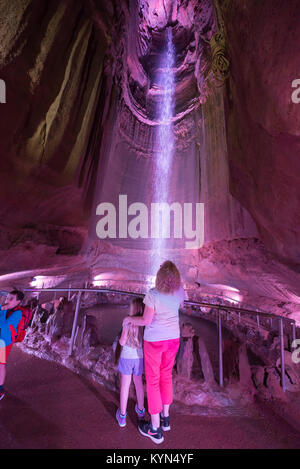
pixel 167 278
pixel 137 306
pixel 134 337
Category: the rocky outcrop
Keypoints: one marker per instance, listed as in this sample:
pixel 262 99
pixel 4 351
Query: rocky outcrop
pixel 185 357
pixel 207 368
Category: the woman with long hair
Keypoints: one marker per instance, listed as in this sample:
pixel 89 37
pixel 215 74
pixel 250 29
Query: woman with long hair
pixel 161 343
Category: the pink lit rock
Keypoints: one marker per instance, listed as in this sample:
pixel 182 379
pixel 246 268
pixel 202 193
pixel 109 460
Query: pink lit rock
pixel 206 365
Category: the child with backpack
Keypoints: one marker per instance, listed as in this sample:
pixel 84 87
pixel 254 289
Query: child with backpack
pixel 14 319
pixel 131 363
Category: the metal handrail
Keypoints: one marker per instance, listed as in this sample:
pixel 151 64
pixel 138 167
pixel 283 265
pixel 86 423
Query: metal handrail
pixel 187 302
pixel 219 307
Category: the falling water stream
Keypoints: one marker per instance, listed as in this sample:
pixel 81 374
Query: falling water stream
pixel 165 143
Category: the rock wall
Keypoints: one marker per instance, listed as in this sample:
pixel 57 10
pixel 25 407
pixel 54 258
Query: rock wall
pixel 52 60
pixel 225 218
pixel 78 128
pixel 262 121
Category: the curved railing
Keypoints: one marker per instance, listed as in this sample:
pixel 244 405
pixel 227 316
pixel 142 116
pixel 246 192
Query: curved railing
pixel 219 307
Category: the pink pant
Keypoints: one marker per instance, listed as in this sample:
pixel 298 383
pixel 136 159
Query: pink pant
pixel 159 361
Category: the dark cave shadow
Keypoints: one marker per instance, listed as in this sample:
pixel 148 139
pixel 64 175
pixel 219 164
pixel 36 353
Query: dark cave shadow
pixel 110 406
pixel 26 427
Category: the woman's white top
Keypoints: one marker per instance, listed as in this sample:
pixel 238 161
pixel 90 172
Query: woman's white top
pixel 165 323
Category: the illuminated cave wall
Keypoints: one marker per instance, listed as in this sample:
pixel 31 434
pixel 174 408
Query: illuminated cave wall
pixel 80 110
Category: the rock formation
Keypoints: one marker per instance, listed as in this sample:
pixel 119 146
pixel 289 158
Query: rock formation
pixel 78 127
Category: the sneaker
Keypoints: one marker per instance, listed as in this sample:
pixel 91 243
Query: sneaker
pixel 165 423
pixel 2 394
pixel 146 429
pixel 140 413
pixel 121 419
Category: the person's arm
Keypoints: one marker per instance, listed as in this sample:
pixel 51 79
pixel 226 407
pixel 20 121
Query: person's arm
pixel 123 338
pixel 144 320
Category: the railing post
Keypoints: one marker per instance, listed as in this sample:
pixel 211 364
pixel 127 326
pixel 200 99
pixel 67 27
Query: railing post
pixel 75 324
pixel 239 317
pixel 293 331
pixel 220 349
pixel 257 320
pixel 69 293
pixel 282 354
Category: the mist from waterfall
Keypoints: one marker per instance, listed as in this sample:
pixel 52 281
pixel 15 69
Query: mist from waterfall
pixel 165 144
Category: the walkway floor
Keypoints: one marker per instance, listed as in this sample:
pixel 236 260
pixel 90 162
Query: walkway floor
pixel 47 406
